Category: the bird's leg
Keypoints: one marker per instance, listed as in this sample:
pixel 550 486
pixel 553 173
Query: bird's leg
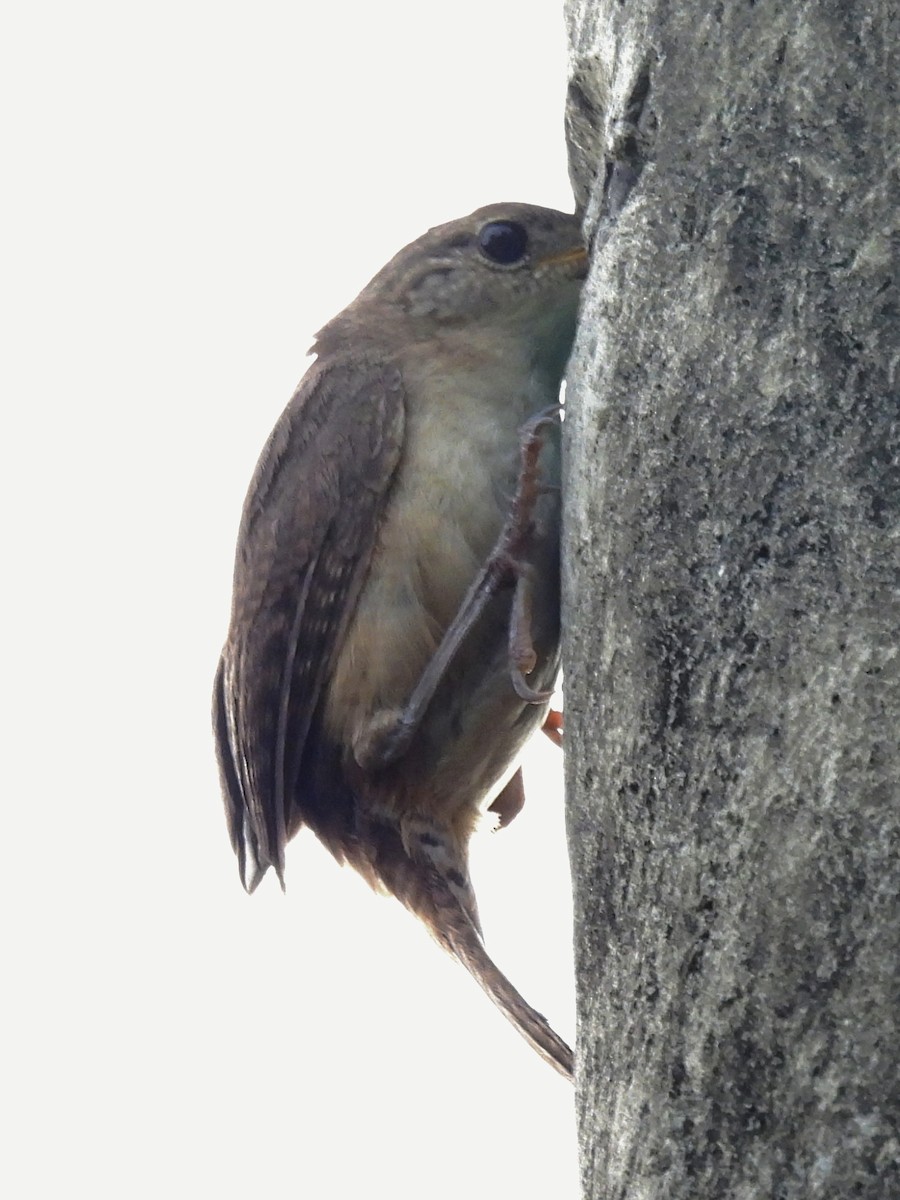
pixel 389 738
pixel 509 802
pixel 522 656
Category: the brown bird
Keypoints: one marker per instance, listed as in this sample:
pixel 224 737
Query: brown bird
pixel 397 576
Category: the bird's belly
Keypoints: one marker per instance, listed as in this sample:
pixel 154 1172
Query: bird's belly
pixel 440 526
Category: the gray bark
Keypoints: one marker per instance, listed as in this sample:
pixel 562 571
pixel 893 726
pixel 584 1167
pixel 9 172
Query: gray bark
pixel 731 580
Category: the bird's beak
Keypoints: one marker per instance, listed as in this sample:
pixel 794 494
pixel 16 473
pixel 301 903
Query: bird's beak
pixel 576 256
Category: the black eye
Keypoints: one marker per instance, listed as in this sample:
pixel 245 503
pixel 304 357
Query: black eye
pixel 503 242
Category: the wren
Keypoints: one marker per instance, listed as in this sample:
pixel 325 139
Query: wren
pixel 394 633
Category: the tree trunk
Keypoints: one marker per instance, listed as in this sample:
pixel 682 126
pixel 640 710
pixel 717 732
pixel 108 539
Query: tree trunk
pixel 731 579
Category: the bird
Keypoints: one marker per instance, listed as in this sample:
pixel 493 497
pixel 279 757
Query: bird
pixel 395 625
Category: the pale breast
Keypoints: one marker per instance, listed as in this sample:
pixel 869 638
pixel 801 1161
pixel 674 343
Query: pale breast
pixel 450 499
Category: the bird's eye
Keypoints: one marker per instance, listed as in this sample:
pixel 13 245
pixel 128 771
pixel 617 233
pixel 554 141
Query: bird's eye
pixel 503 242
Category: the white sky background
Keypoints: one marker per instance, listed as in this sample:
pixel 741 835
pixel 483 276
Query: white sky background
pixel 190 191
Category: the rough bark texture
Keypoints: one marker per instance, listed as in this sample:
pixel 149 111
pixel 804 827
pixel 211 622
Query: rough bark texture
pixel 732 668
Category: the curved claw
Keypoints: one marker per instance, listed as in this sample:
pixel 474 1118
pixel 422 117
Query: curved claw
pixel 547 416
pixel 524 692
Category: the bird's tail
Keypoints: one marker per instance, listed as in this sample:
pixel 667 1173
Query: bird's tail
pixel 438 897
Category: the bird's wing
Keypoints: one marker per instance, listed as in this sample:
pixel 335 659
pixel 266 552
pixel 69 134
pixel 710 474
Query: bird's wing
pixel 304 548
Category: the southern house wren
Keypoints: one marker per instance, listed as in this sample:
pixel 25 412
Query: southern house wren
pixel 395 622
